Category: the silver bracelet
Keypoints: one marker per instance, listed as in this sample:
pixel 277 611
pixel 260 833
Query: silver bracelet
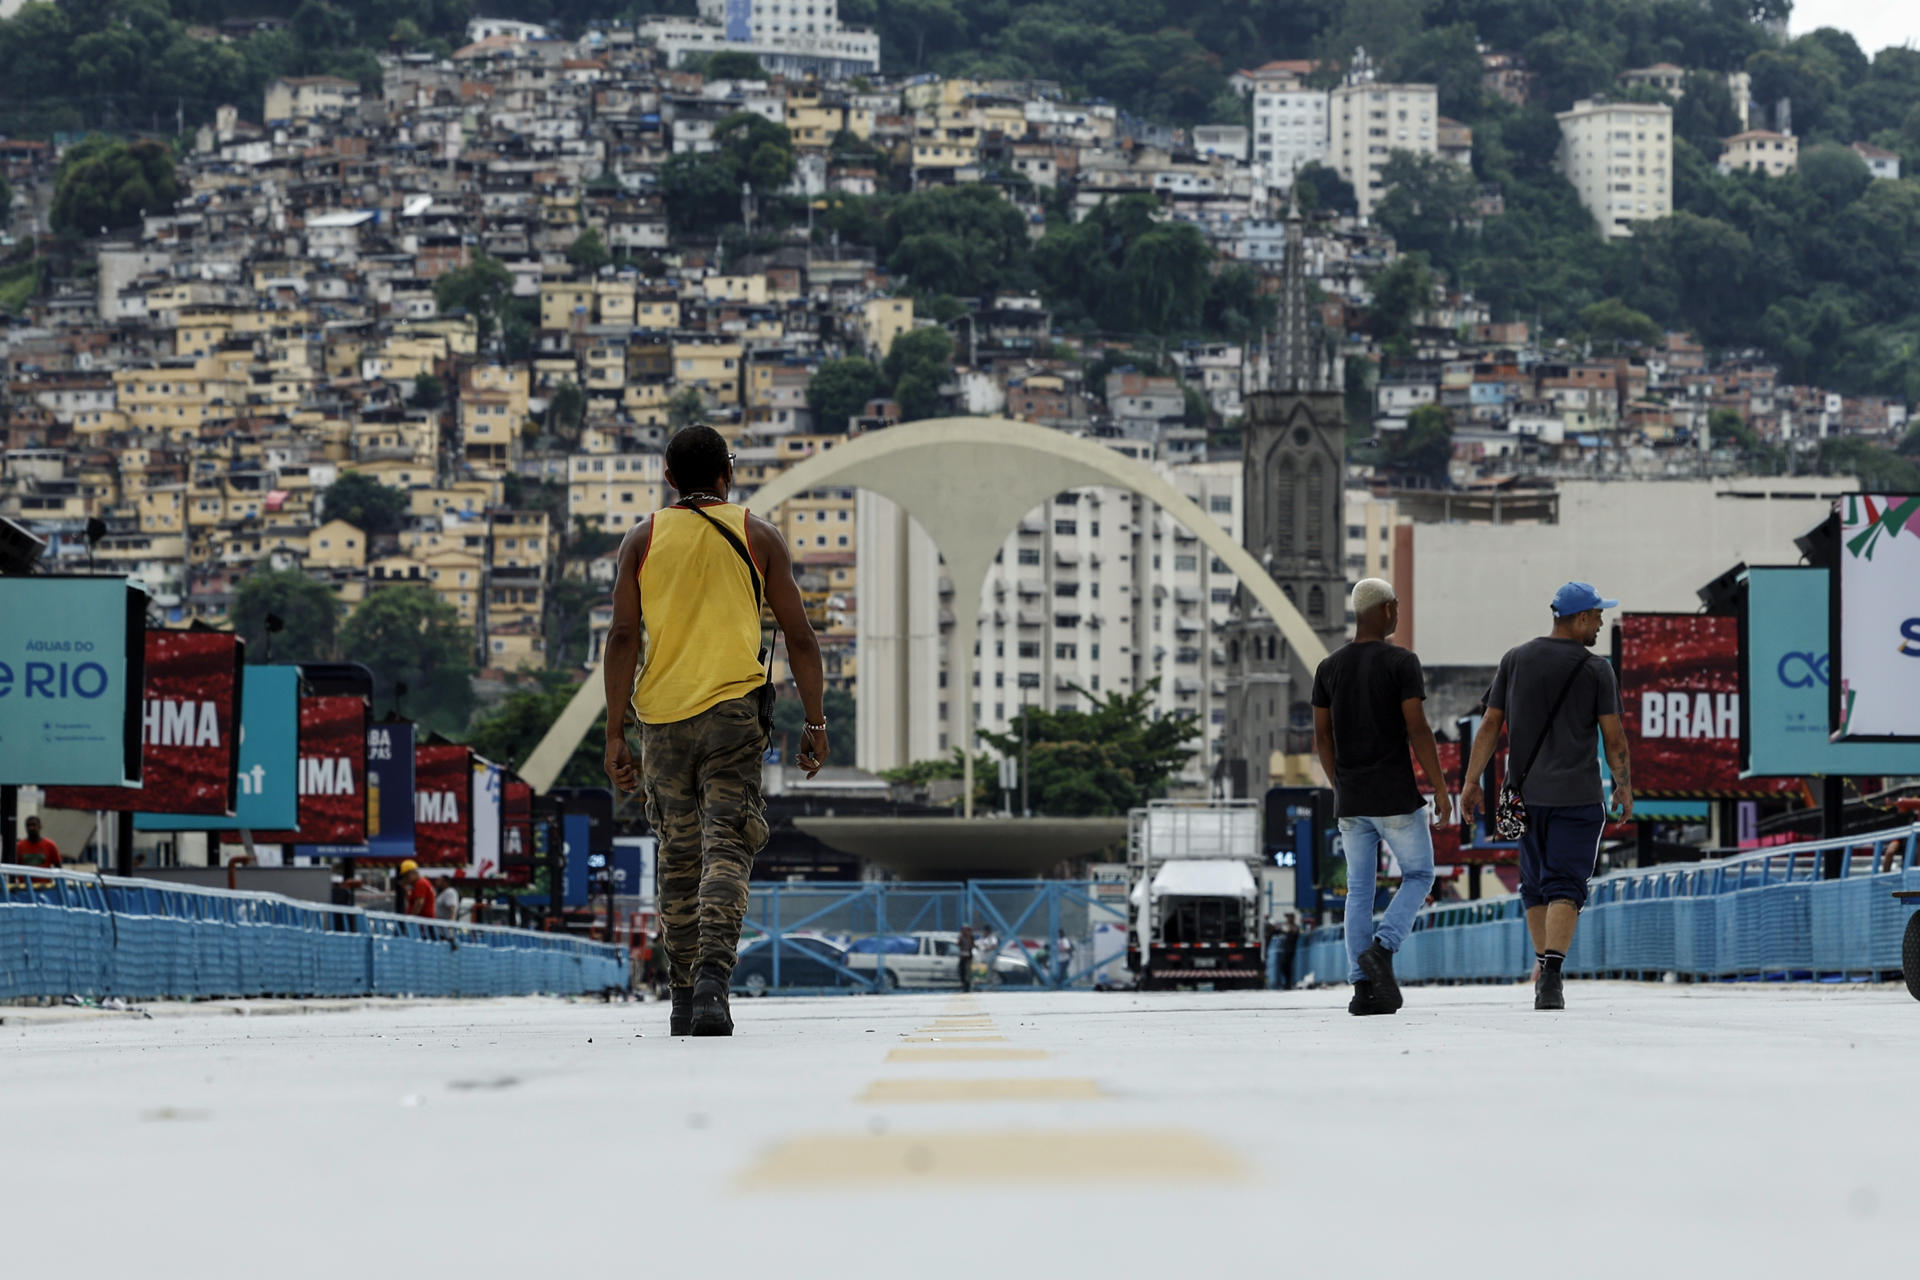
pixel 817 728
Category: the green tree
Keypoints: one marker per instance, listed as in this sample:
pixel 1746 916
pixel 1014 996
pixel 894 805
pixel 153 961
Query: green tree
pixel 686 409
pixel 508 732
pixel 409 635
pixel 1428 207
pixel 308 609
pixel 1425 448
pixel 480 289
pixel 364 502
pixel 428 392
pixel 918 366
pixel 840 390
pixel 760 151
pixel 789 716
pixel 104 184
pixel 733 64
pixel 1118 753
pixel 1612 321
pixel 567 411
pixel 1321 187
pixel 1402 293
pixel 588 252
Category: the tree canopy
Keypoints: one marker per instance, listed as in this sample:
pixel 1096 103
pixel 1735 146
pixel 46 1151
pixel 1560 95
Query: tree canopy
pixel 363 501
pixel 409 635
pixel 308 610
pixel 1115 755
pixel 508 732
pixel 105 184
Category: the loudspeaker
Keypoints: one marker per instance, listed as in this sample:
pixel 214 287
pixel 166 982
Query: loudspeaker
pixel 20 550
pixel 1821 544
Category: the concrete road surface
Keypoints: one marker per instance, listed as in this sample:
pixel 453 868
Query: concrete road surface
pixel 1648 1131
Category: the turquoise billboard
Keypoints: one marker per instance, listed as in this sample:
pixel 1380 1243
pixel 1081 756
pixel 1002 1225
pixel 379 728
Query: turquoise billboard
pixel 72 676
pixel 268 797
pixel 1785 672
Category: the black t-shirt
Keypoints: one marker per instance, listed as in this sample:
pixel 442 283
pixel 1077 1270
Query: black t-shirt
pixel 1530 677
pixel 1363 685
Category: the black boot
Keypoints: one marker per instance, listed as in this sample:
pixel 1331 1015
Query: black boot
pixel 711 1016
pixel 1551 994
pixel 1377 963
pixel 1362 1005
pixel 680 1022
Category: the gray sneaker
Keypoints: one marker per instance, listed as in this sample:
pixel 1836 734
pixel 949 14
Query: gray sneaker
pixel 1551 991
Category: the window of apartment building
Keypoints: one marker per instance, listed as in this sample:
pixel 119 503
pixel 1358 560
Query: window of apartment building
pixel 1065 651
pixel 1029 679
pixel 1029 648
pixel 1186 564
pixel 1220 504
pixel 1066 528
pixel 1066 589
pixel 1223 595
pixel 1066 621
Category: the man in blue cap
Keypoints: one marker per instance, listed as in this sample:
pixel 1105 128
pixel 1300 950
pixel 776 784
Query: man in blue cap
pixel 1551 694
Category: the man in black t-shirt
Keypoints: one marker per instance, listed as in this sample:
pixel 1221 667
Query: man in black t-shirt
pixel 1565 813
pixel 1369 704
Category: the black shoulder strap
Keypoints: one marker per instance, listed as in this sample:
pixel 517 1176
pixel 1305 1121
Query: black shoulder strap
pixel 753 570
pixel 759 593
pixel 1547 728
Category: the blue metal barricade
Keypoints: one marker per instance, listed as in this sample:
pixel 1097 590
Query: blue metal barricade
pixel 63 933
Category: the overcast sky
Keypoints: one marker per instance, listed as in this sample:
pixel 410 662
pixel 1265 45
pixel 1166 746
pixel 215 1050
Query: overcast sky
pixel 1874 23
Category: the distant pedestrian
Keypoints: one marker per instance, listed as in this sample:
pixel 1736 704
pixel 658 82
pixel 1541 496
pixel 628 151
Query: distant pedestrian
pixel 691 584
pixel 447 905
pixel 1270 953
pixel 416 891
pixel 36 850
pixel 1062 959
pixel 1551 695
pixel 1369 704
pixel 963 948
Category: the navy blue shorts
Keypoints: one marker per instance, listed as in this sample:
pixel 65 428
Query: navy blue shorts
pixel 1558 852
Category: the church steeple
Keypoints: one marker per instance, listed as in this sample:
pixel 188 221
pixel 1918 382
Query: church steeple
pixel 1299 364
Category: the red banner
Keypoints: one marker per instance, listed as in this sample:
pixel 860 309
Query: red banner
pixel 1680 704
pixel 442 805
pixel 190 745
pixel 516 830
pixel 333 773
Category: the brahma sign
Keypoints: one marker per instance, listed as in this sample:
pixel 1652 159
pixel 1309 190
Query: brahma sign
pixel 333 773
pixel 1680 704
pixel 190 752
pixel 442 805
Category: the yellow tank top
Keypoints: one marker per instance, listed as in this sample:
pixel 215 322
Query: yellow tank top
pixel 699 615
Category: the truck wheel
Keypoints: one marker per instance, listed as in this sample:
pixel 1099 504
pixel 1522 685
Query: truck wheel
pixel 890 982
pixel 1910 955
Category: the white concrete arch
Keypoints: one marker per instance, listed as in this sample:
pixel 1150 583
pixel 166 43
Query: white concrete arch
pixel 969 482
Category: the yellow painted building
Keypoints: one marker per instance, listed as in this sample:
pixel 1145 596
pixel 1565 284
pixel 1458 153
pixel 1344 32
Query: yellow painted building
pixel 614 492
pixel 337 545
pixel 747 289
pixel 712 368
pixel 563 303
pixel 883 320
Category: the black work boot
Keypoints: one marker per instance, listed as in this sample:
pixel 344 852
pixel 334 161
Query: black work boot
pixel 1363 1004
pixel 680 1022
pixel 1377 963
pixel 711 1016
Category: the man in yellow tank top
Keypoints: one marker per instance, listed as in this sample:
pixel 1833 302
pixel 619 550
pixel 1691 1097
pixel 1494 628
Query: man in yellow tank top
pixel 685 656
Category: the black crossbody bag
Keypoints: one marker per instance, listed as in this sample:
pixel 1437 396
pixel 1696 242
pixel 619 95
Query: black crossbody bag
pixel 1510 812
pixel 768 694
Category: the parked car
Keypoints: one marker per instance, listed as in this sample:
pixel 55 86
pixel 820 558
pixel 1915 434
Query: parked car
pixel 913 959
pixel 804 962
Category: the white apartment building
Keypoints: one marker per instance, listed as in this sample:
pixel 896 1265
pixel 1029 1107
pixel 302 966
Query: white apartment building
pixel 1098 591
pixel 1761 151
pixel 790 37
pixel 1619 157
pixel 1368 122
pixel 1289 133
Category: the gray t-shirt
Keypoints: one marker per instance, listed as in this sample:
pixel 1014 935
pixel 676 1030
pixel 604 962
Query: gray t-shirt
pixel 1529 679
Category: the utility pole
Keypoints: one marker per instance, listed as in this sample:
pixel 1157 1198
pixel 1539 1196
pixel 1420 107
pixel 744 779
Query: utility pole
pixel 1026 807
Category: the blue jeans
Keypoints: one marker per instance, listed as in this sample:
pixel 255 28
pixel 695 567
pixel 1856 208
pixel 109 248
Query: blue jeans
pixel 1273 963
pixel 1412 843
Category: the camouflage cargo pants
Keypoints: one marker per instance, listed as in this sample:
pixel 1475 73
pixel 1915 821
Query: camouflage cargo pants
pixel 702 782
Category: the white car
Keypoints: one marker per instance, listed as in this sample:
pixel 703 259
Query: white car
pixel 913 959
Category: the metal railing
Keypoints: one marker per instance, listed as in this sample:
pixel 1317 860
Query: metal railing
pixel 64 933
pixel 1823 909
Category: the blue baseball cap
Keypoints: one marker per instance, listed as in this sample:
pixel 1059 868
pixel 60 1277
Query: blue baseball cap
pixel 1578 597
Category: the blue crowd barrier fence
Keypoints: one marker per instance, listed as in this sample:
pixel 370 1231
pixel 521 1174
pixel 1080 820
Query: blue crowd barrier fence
pixel 63 933
pixel 1777 913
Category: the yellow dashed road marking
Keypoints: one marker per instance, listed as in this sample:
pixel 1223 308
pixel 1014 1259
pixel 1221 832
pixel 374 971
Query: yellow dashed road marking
pixel 1015 1090
pixel 952 1039
pixel 894 1160
pixel 966 1055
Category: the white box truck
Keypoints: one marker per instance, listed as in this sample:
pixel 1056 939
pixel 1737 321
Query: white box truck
pixel 1193 907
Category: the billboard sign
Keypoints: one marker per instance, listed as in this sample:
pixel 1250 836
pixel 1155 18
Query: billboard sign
pixel 72 669
pixel 189 730
pixel 1680 705
pixel 1785 679
pixel 1874 686
pixel 389 797
pixel 333 773
pixel 488 812
pixel 268 795
pixel 442 804
pixel 738 15
pixel 516 829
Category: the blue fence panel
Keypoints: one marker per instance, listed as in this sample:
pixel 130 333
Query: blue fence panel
pixel 63 934
pixel 1763 914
